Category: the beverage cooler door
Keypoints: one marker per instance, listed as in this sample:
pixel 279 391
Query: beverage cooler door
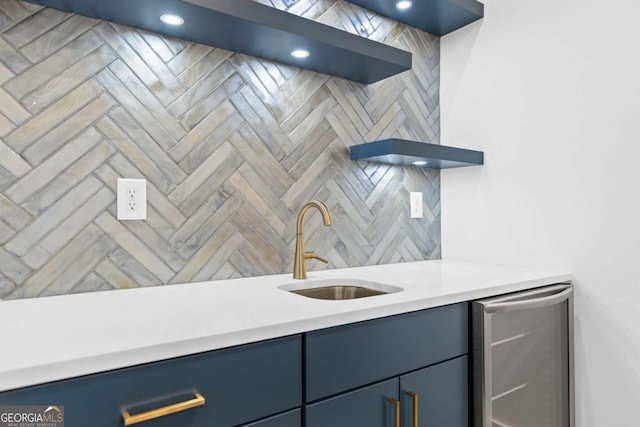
pixel 523 359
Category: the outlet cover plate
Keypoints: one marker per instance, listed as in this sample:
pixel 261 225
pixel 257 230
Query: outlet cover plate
pixel 132 199
pixel 416 205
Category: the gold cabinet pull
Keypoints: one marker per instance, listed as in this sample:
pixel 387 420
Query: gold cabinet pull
pixel 414 397
pixel 129 419
pixel 396 406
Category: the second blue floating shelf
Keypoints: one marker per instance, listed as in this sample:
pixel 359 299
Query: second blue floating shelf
pixel 413 153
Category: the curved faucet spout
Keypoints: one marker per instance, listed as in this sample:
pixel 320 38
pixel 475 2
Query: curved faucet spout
pixel 326 215
pixel 299 266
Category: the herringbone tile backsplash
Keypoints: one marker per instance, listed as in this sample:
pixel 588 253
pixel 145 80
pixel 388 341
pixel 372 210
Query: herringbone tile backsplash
pixel 232 146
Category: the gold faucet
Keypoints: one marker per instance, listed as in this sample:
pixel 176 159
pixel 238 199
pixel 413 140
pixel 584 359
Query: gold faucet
pixel 299 267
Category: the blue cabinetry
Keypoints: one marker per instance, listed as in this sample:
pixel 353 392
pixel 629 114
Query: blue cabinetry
pixel 347 371
pixel 346 357
pixel 239 385
pixel 366 407
pixel 441 393
pixel 436 396
pixel 367 374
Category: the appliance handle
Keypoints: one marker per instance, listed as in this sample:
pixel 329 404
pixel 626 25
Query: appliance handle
pixel 530 300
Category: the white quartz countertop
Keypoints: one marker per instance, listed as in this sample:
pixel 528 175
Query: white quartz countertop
pixel 47 339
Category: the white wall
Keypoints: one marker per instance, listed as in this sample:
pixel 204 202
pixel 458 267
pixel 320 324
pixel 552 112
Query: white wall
pixel 550 90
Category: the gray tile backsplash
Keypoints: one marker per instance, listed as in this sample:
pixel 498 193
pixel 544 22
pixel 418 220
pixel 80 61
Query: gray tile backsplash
pixel 231 146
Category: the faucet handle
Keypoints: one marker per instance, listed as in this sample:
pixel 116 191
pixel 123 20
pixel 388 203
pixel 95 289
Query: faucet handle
pixel 313 255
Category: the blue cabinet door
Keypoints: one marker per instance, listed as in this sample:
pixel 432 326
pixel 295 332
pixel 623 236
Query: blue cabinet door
pixel 442 395
pixel 366 407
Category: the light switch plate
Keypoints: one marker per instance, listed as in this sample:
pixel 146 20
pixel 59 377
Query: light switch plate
pixel 416 205
pixel 132 199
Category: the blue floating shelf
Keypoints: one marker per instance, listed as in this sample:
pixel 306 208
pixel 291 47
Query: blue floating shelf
pixel 252 28
pixel 418 154
pixel 437 17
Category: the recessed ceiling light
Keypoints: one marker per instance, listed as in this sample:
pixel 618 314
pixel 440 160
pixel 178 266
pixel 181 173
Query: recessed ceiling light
pixel 419 163
pixel 404 4
pixel 299 53
pixel 170 19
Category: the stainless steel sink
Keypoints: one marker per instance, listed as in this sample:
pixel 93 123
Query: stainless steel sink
pixel 339 289
pixel 338 292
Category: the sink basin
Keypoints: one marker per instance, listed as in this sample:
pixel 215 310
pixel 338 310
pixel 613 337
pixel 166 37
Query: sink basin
pixel 339 289
pixel 338 292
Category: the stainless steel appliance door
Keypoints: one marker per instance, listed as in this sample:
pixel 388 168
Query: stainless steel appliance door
pixel 523 359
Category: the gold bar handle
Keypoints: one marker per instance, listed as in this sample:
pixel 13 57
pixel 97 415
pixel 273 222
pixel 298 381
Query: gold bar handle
pixel 414 397
pixel 396 406
pixel 129 419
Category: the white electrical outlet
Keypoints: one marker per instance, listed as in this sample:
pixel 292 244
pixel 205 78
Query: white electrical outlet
pixel 416 205
pixel 132 199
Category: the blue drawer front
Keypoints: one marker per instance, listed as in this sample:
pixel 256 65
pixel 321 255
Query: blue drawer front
pixel 366 407
pixel 347 357
pixel 240 384
pixel 289 419
pixel 443 395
